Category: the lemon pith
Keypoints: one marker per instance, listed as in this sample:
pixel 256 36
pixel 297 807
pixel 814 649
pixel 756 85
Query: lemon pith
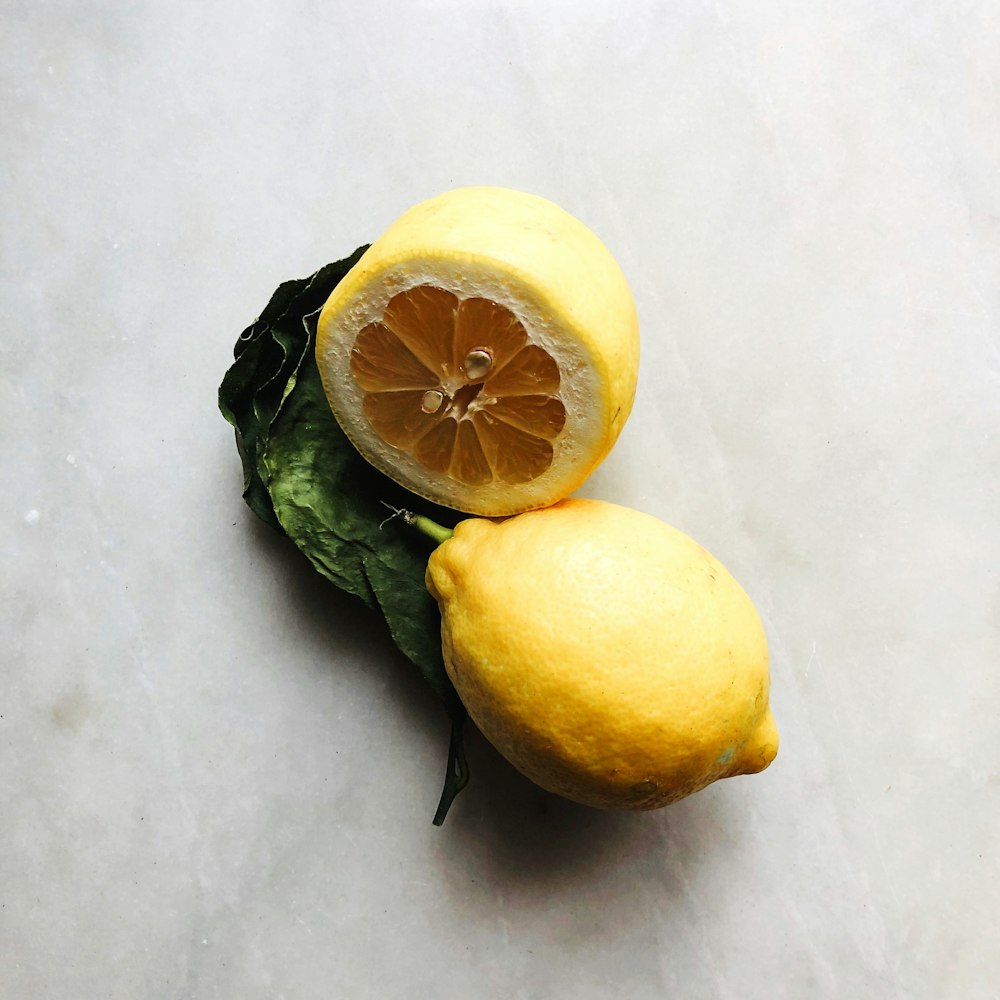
pixel 608 656
pixel 512 262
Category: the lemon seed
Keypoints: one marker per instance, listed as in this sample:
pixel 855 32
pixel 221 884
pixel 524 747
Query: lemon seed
pixel 431 401
pixel 478 363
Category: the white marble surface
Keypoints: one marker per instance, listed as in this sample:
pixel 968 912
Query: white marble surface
pixel 216 778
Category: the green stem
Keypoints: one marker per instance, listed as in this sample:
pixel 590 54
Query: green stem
pixel 431 529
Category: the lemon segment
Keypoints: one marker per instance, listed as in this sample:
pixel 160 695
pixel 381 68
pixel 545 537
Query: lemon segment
pixel 483 352
pixel 608 656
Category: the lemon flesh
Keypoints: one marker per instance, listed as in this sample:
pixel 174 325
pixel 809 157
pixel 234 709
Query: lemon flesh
pixel 606 655
pixel 483 352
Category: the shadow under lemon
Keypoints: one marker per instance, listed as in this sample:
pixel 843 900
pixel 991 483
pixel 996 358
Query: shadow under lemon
pixel 502 829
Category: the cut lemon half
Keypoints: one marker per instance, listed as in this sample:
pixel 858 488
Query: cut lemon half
pixel 483 352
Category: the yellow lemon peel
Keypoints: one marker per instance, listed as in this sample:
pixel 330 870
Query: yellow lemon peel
pixel 606 655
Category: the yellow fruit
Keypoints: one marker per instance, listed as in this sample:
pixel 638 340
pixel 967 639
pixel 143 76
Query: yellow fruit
pixel 606 655
pixel 483 352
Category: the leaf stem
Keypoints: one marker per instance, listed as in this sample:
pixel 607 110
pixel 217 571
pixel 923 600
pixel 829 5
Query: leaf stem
pixel 430 528
pixel 436 532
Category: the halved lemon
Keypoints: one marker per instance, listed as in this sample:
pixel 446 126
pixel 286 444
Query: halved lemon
pixel 483 352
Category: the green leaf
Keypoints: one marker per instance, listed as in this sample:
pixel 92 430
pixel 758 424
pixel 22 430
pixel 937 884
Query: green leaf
pixel 304 478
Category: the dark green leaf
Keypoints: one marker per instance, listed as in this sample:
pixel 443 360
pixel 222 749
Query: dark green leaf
pixel 304 477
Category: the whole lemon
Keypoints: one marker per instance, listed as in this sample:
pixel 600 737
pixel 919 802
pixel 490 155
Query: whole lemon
pixel 483 351
pixel 609 657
